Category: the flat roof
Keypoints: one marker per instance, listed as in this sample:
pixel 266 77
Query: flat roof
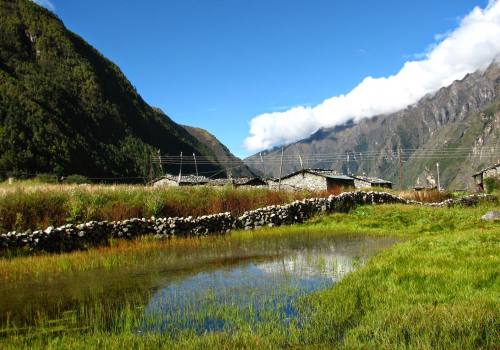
pixel 184 178
pixel 321 172
pixel 486 169
pixel 373 180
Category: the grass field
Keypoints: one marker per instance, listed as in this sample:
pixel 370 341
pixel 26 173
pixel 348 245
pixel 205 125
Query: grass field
pixel 33 206
pixel 439 289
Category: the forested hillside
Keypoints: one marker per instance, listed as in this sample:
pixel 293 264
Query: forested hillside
pixel 66 109
pixel 235 166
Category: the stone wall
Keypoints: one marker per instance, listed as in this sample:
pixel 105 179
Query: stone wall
pixel 73 237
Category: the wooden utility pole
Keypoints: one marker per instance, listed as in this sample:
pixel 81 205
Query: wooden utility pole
pixel 180 170
pixel 301 163
pixel 400 161
pixel 281 169
pixel 229 176
pixel 195 164
pixel 263 165
pixel 348 169
pixel 439 183
pixel 300 158
pixel 159 161
pixel 150 169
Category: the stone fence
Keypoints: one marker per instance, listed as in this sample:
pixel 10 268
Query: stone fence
pixel 73 237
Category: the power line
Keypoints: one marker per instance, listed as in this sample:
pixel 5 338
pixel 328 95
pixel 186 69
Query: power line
pixel 405 153
pixel 390 156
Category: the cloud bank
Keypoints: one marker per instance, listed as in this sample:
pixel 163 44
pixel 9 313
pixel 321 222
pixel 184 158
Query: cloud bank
pixel 471 46
pixel 46 3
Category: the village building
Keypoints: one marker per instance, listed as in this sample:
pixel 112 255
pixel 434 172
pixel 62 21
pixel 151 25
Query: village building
pixel 239 182
pixel 220 182
pixel 272 183
pixel 249 182
pixel 361 181
pixel 316 180
pixel 479 177
pixel 184 180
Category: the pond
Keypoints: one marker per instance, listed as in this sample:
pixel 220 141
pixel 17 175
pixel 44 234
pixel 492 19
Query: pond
pixel 206 285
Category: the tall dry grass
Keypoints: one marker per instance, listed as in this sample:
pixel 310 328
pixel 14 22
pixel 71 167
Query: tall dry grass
pixel 426 196
pixel 38 206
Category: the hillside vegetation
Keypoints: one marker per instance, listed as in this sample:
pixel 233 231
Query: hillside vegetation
pixel 229 161
pixel 66 109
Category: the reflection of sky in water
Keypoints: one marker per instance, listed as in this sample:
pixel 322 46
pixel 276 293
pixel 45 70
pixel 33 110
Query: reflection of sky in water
pixel 252 291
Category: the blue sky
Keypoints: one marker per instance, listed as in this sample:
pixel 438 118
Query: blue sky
pixel 217 64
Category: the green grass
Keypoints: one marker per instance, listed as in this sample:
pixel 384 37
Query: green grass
pixel 439 289
pixel 433 292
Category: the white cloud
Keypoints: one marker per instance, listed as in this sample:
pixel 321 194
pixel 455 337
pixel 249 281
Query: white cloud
pixel 46 3
pixel 471 46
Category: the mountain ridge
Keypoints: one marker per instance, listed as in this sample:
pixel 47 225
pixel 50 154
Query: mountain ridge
pixel 232 164
pixel 455 117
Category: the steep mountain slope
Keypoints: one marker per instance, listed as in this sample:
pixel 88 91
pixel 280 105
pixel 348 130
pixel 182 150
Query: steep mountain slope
pixel 64 108
pixel 458 127
pixel 223 155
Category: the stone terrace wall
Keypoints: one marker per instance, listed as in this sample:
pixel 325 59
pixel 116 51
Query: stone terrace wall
pixel 73 237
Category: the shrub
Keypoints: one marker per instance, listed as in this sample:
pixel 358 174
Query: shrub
pixel 46 178
pixel 76 179
pixel 491 184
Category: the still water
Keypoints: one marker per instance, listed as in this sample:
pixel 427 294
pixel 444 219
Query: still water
pixel 221 286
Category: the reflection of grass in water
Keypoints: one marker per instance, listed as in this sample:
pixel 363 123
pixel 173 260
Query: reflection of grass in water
pixel 262 313
pixel 206 312
pixel 321 264
pixel 263 298
pixel 356 262
pixel 98 310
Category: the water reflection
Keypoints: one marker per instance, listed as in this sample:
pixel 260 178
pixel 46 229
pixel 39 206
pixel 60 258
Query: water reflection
pixel 252 291
pixel 204 285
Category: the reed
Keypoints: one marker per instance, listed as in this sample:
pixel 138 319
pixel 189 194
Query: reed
pixel 426 195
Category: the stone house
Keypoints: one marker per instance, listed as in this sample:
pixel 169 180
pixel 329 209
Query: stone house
pixel 479 177
pixel 219 182
pixel 272 183
pixel 361 181
pixel 184 180
pixel 249 182
pixel 316 180
pixel 239 182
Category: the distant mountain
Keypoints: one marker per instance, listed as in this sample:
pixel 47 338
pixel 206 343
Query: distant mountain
pixel 223 155
pixel 458 127
pixel 66 109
